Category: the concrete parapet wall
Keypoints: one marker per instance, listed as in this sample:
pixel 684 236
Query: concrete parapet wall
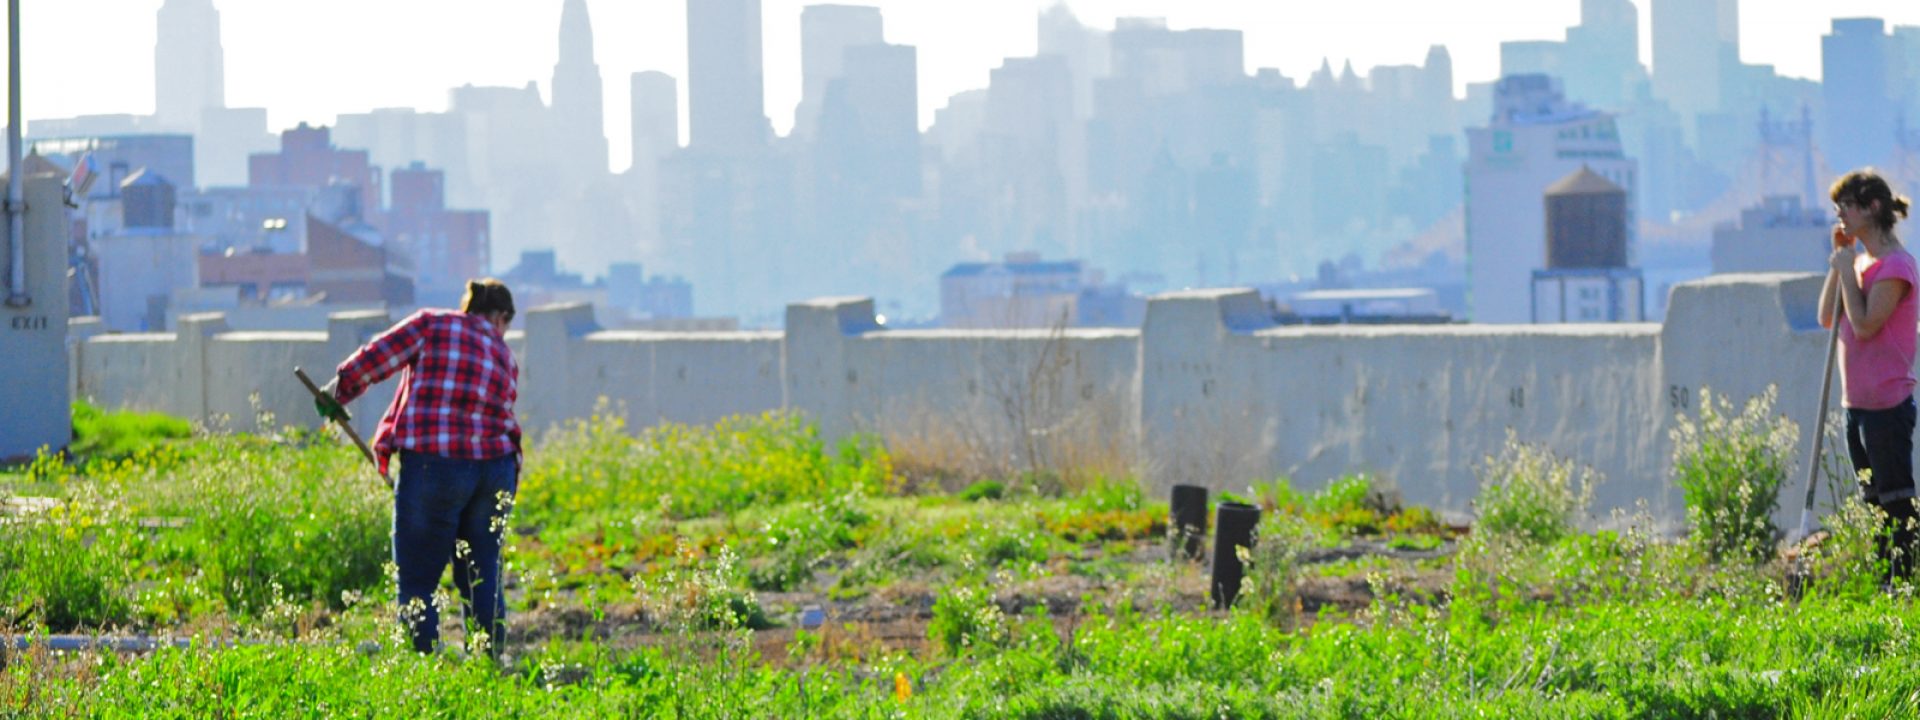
pixel 1208 391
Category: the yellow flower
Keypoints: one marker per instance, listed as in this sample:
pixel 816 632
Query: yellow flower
pixel 902 690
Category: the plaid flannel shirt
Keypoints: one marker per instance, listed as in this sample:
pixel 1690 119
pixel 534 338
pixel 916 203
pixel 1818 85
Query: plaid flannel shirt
pixel 458 383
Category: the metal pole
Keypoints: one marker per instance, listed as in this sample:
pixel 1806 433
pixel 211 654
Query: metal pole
pixel 1820 421
pixel 16 209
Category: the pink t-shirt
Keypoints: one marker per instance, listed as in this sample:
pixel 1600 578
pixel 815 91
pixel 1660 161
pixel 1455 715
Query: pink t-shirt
pixel 1879 370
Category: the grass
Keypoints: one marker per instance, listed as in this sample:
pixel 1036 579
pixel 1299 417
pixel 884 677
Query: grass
pixel 662 573
pixel 110 436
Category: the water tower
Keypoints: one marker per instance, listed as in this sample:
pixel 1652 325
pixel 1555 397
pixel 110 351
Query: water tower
pixel 1587 278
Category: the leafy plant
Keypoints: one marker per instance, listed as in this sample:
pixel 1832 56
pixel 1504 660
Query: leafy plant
pixel 1530 495
pixel 1273 567
pixel 966 618
pixel 1730 467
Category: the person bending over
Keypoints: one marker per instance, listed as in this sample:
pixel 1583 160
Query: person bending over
pixel 452 424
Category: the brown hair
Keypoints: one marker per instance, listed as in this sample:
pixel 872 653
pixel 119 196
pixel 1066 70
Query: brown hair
pixel 487 295
pixel 1863 188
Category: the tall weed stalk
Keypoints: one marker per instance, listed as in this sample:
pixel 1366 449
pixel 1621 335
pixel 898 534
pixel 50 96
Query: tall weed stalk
pixel 1730 467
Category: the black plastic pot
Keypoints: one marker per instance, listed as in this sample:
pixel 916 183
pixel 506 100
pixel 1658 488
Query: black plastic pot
pixel 1188 518
pixel 1232 527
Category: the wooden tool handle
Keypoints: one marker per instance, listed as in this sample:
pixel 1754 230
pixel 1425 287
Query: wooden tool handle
pixel 355 436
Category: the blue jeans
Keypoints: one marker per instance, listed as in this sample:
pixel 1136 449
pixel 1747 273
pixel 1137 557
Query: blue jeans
pixel 1882 441
pixel 447 509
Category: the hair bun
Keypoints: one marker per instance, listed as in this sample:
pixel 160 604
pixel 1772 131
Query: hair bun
pixel 1900 204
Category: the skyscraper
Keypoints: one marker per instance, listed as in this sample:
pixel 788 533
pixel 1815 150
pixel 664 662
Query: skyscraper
pixel 1695 42
pixel 188 63
pixel 1861 111
pixel 656 118
pixel 1603 52
pixel 577 109
pixel 1088 52
pixel 656 135
pixel 874 111
pixel 826 32
pixel 726 90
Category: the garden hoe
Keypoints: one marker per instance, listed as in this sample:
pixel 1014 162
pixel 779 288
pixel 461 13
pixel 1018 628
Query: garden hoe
pixel 362 444
pixel 1819 426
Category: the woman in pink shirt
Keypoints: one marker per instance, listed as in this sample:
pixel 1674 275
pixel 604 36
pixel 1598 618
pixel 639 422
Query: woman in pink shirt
pixel 1875 285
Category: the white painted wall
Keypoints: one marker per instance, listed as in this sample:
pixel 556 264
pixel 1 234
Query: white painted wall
pixel 1208 391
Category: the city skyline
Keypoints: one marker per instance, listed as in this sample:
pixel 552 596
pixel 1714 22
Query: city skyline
pixel 111 73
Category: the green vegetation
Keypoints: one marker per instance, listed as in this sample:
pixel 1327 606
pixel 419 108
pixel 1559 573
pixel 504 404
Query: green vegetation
pixel 116 435
pixel 664 574
pixel 1730 468
pixel 1528 495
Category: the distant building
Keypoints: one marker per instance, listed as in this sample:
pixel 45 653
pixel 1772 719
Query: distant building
pixel 870 121
pixel 189 66
pixel 1603 53
pixel 1533 139
pixel 1778 235
pixel 349 263
pixel 537 271
pixel 826 32
pixel 577 107
pixel 1021 292
pixel 224 141
pixel 655 101
pixel 1024 291
pixel 246 219
pixel 189 81
pixel 307 158
pixel 1176 61
pixel 1365 306
pixel 620 299
pixel 1586 278
pixel 1862 107
pixel 399 137
pixel 448 247
pixel 1024 156
pixel 648 299
pixel 1696 44
pixel 1089 51
pixel 143 263
pixel 726 86
pixel 257 276
pixel 118 157
pixel 519 172
pixel 344 261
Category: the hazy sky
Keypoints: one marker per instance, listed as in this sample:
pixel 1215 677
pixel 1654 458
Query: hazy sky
pixel 310 60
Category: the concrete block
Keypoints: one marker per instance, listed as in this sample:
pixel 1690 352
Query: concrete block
pixel 815 359
pixel 552 332
pixel 193 372
pixel 346 333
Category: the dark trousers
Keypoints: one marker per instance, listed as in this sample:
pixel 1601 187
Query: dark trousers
pixel 447 509
pixel 1882 441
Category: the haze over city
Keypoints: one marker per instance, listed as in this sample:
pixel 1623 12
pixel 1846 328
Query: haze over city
pixel 407 53
pixel 703 163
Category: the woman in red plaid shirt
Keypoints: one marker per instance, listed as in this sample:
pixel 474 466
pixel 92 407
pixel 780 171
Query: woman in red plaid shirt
pixel 452 424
